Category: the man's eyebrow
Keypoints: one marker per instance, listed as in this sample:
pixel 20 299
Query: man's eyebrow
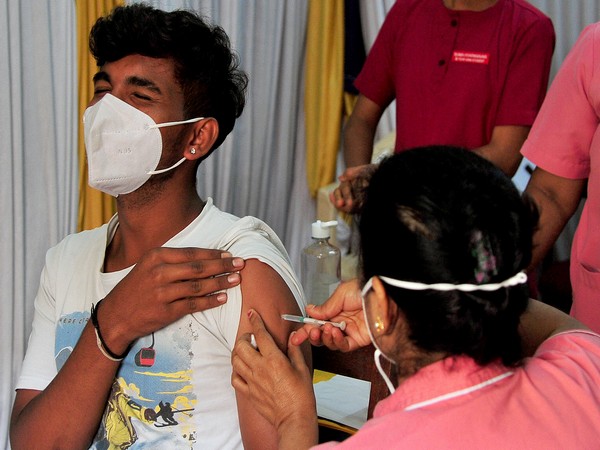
pixel 101 76
pixel 143 82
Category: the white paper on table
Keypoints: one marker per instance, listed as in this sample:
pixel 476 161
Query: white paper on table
pixel 343 399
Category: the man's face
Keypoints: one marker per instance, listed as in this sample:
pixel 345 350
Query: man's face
pixel 148 84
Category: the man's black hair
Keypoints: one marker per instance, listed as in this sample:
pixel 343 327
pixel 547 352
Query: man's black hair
pixel 205 66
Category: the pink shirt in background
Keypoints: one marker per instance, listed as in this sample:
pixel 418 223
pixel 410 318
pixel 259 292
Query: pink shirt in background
pixel 552 402
pixel 565 141
pixel 456 75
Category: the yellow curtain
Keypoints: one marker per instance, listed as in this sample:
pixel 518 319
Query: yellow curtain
pixel 95 207
pixel 323 98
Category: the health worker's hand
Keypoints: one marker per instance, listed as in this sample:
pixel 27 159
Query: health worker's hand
pixel 345 304
pixel 280 388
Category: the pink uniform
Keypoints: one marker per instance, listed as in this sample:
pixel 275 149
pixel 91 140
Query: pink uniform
pixel 565 141
pixel 456 75
pixel 552 402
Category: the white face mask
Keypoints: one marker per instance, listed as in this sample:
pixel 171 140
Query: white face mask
pixel 123 145
pixel 519 278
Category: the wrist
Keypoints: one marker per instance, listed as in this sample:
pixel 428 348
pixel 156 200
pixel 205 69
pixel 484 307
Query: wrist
pixel 107 339
pixel 299 430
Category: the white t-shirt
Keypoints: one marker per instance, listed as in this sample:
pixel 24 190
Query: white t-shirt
pixel 173 390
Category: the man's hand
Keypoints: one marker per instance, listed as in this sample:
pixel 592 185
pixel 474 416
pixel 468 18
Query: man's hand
pixel 349 195
pixel 345 304
pixel 165 285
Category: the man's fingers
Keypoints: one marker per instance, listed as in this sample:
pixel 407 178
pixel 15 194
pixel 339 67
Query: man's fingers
pixel 191 262
pixel 204 268
pixel 174 255
pixel 200 287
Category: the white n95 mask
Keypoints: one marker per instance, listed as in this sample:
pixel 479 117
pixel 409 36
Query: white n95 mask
pixel 123 145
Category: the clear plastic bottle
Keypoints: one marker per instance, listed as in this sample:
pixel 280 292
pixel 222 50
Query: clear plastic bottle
pixel 321 264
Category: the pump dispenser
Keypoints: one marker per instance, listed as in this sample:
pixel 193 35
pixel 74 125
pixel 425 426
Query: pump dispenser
pixel 321 264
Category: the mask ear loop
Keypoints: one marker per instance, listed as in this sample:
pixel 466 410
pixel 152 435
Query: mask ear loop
pixel 156 172
pixel 388 382
pixel 170 124
pixel 378 352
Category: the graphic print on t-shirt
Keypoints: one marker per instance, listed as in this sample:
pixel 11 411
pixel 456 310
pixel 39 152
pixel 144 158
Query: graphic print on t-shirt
pixel 152 396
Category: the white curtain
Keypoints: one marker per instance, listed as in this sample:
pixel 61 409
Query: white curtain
pixel 38 164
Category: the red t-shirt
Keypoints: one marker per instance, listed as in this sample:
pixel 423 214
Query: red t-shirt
pixel 456 75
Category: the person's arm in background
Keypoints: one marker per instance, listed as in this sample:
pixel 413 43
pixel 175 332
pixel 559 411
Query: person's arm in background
pixel 504 148
pixel 541 321
pixel 358 137
pixel 557 199
pixel 264 291
pixel 359 132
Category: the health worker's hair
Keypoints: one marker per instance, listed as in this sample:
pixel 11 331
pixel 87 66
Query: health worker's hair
pixel 445 215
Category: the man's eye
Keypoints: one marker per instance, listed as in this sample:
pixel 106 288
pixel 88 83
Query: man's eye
pixel 142 97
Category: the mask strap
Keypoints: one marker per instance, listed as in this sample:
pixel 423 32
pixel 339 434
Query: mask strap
pixel 388 382
pixel 519 278
pixel 170 124
pixel 156 172
pixel 378 353
pixel 181 122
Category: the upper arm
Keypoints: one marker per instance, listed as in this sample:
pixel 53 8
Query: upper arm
pixel 504 147
pixel 556 199
pixel 541 321
pixel 559 195
pixel 266 292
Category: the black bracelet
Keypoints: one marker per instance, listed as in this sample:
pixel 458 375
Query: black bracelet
pixel 100 341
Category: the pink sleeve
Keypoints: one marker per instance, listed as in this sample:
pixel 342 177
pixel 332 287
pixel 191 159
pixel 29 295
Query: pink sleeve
pixel 580 348
pixel 560 139
pixel 528 73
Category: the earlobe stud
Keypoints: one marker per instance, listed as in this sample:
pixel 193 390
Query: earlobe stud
pixel 193 151
pixel 379 325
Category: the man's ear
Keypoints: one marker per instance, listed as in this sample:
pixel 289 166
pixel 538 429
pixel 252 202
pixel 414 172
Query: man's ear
pixel 384 310
pixel 205 133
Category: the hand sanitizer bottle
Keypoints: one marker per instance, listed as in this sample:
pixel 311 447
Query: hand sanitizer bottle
pixel 321 264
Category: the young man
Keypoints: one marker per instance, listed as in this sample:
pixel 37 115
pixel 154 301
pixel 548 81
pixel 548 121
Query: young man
pixel 149 364
pixel 469 73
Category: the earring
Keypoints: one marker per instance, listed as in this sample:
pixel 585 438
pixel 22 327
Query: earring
pixel 379 325
pixel 193 151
